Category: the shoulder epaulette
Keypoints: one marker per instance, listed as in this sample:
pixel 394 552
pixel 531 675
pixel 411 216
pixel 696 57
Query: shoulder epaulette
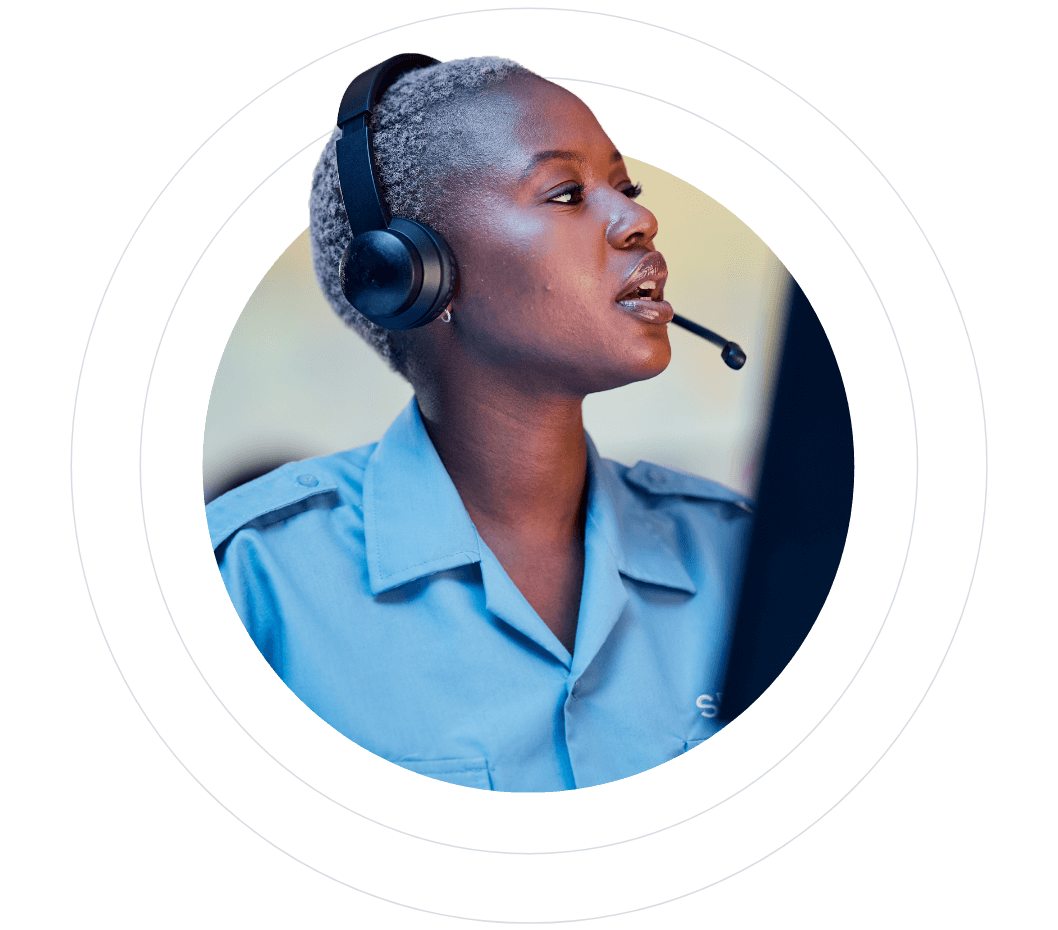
pixel 274 493
pixel 658 480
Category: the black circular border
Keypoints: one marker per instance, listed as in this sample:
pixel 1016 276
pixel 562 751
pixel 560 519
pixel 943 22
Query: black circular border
pixel 150 285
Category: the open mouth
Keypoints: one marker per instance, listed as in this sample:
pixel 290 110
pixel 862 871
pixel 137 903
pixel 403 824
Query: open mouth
pixel 647 290
pixel 645 303
pixel 643 294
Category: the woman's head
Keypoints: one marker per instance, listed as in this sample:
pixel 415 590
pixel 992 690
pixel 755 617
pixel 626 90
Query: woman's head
pixel 538 208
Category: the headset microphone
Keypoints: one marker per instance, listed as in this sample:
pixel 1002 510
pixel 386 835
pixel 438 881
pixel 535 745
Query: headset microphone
pixel 398 273
pixel 730 352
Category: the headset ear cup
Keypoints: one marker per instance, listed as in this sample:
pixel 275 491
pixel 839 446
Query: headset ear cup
pixel 380 274
pixel 439 270
pixel 449 273
pixel 401 277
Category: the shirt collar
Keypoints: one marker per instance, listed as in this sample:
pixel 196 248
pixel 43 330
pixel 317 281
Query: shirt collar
pixel 415 523
pixel 414 520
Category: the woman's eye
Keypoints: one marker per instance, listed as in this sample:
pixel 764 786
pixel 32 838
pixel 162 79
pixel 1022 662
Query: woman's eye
pixel 574 195
pixel 571 195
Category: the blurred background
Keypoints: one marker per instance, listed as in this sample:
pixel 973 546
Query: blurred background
pixel 295 382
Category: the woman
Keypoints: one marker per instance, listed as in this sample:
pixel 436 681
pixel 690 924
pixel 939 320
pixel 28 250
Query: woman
pixel 479 597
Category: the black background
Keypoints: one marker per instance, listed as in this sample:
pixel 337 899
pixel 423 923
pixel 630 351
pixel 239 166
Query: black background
pixel 906 836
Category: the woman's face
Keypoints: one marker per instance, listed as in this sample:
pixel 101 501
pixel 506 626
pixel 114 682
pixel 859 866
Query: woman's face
pixel 555 256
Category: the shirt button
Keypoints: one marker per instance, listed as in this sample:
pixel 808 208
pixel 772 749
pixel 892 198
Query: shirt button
pixel 309 481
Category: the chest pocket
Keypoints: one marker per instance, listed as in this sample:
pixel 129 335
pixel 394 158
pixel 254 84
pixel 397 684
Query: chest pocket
pixel 470 773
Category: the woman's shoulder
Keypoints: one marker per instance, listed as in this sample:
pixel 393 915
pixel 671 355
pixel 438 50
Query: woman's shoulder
pixel 324 482
pixel 660 485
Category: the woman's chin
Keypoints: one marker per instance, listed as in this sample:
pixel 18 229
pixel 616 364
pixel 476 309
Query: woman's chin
pixel 655 364
pixel 648 360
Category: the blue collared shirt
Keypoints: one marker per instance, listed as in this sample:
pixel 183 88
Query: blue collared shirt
pixel 362 580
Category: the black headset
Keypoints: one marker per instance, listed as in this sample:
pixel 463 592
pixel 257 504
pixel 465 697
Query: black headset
pixel 398 273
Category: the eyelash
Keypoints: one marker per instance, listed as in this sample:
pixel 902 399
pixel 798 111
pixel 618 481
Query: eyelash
pixel 577 191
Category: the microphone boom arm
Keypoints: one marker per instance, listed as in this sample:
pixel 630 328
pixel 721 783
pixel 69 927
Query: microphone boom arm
pixel 730 352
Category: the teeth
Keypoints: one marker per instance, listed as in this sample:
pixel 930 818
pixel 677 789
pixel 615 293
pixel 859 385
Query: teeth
pixel 645 290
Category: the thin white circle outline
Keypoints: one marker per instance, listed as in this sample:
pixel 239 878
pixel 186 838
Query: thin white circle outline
pixel 984 432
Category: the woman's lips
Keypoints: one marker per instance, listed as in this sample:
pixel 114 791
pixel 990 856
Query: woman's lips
pixel 641 295
pixel 649 311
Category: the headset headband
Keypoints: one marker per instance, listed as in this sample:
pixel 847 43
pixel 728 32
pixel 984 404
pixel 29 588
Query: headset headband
pixel 360 191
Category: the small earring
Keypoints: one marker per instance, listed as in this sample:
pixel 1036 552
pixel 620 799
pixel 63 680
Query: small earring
pixel 447 315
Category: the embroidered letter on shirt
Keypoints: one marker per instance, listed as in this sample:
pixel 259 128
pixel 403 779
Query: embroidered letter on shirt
pixel 710 706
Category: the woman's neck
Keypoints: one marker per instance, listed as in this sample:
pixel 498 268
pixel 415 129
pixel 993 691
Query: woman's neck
pixel 517 461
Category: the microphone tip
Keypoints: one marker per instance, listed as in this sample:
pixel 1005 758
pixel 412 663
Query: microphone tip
pixel 733 355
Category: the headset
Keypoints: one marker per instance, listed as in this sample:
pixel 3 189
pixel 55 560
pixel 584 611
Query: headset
pixel 396 272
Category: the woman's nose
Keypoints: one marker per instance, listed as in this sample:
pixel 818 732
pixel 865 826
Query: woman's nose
pixel 630 224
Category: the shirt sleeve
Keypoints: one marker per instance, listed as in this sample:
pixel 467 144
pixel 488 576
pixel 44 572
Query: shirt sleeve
pixel 251 583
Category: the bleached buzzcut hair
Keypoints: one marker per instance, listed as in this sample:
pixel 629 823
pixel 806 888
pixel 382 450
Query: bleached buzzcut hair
pixel 420 127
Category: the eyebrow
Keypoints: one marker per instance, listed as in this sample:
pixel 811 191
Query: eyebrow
pixel 560 155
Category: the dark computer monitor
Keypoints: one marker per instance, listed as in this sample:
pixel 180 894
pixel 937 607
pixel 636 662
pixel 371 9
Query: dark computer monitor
pixel 802 510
